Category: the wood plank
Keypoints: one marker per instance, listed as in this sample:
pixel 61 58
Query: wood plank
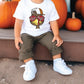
pixel 7 34
pixel 73 46
pixel 70 36
pixel 67 36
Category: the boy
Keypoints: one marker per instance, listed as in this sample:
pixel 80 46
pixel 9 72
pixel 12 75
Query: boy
pixel 33 21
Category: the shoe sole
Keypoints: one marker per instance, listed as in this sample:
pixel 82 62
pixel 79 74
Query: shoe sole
pixel 62 73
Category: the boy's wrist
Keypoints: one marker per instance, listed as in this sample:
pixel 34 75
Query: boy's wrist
pixel 56 35
pixel 17 37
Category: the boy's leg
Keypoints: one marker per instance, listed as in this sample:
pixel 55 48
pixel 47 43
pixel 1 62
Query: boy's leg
pixel 26 55
pixel 25 51
pixel 58 63
pixel 56 56
pixel 27 60
pixel 46 40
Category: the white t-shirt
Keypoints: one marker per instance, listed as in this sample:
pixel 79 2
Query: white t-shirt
pixel 36 16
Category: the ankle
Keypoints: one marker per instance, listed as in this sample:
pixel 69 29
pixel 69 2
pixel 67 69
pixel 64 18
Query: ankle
pixel 27 60
pixel 56 56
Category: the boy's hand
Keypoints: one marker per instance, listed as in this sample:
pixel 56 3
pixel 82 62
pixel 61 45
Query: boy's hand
pixel 17 41
pixel 58 39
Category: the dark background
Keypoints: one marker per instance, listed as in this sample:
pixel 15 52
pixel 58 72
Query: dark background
pixel 73 5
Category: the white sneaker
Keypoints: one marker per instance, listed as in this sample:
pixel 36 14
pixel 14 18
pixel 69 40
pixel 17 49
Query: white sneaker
pixel 60 66
pixel 30 70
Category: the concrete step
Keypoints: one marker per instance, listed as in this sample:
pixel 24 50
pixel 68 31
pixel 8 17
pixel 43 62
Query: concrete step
pixel 73 46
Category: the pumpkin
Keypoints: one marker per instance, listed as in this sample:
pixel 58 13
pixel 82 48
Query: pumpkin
pixel 82 9
pixel 62 11
pixel 73 24
pixel 79 7
pixel 7 9
pixel 15 0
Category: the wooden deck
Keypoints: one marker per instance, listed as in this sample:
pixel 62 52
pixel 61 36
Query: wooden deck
pixel 73 46
pixel 67 36
pixel 7 34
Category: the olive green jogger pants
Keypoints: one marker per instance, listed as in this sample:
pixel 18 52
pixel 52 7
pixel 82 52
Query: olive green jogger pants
pixel 45 39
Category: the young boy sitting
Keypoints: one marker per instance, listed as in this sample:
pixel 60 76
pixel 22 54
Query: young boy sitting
pixel 33 21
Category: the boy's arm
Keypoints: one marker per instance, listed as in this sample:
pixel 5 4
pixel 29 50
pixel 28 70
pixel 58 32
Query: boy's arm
pixel 17 27
pixel 55 29
pixel 17 30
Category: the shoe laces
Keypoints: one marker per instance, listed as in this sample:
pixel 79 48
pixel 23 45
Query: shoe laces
pixel 22 66
pixel 61 62
pixel 64 64
pixel 25 66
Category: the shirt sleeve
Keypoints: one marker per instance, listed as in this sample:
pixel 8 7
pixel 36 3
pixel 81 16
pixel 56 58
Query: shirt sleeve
pixel 53 13
pixel 19 12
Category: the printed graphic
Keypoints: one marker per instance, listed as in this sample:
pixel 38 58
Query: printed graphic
pixel 37 17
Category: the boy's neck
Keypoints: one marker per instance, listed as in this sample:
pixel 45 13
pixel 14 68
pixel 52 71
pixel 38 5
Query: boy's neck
pixel 37 1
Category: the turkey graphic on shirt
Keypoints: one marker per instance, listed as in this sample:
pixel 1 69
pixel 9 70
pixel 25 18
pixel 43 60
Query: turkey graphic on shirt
pixel 37 17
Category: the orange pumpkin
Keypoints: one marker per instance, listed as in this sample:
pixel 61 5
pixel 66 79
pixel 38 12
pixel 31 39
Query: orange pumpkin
pixel 15 0
pixel 7 9
pixel 62 11
pixel 82 9
pixel 79 7
pixel 73 24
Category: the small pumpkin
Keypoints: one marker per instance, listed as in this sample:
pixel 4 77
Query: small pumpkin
pixel 79 7
pixel 73 24
pixel 62 11
pixel 7 9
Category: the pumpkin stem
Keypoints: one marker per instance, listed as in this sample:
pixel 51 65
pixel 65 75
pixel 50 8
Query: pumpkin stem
pixel 73 15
